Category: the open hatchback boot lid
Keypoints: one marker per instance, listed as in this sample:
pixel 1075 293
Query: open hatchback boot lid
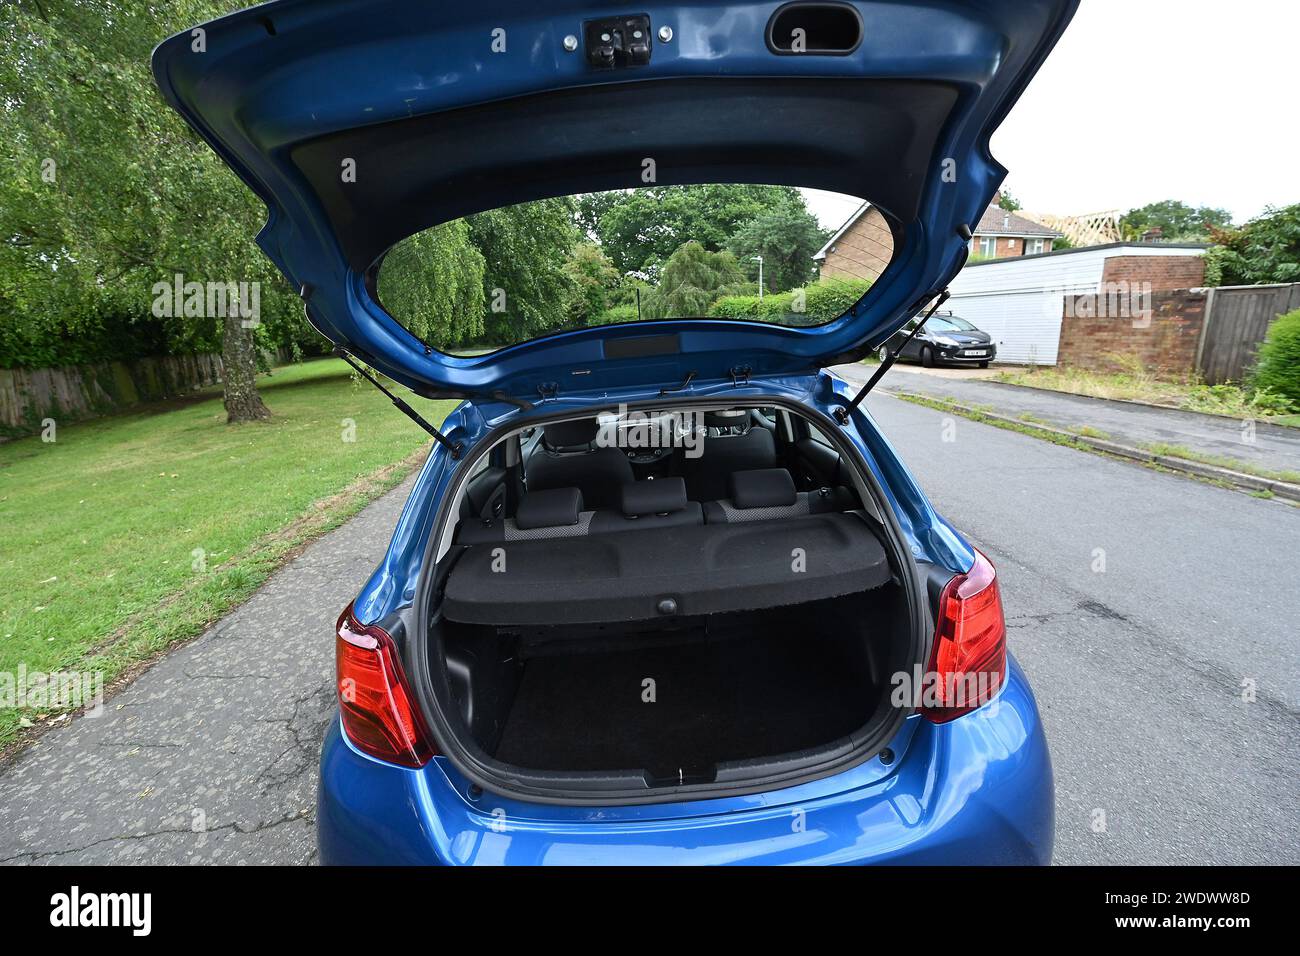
pixel 443 110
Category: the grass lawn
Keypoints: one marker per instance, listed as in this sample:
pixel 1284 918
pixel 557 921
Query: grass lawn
pixel 1228 400
pixel 135 531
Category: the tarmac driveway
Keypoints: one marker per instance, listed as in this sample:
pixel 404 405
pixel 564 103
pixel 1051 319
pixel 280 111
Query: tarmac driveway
pixel 211 755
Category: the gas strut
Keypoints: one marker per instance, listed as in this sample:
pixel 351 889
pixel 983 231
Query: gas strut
pixel 842 414
pixel 453 449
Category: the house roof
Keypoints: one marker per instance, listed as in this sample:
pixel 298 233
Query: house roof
pixel 848 223
pixel 998 222
pixel 1133 246
pixel 994 222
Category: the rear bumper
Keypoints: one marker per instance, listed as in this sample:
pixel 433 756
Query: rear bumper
pixel 977 790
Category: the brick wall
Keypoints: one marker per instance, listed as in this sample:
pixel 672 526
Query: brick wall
pixel 1160 332
pixel 1007 246
pixel 1163 272
pixel 863 251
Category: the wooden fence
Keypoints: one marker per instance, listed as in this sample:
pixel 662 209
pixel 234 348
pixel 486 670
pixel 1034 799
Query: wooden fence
pixel 1236 320
pixel 28 397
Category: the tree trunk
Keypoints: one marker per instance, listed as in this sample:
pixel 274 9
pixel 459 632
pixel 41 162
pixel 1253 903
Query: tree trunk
pixel 239 374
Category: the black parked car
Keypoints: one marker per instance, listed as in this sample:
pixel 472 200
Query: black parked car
pixel 946 339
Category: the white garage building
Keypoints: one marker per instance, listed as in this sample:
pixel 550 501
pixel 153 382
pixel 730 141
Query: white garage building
pixel 1018 300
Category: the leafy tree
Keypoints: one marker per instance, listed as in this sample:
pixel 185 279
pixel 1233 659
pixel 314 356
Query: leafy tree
pixel 1177 221
pixel 618 313
pixel 594 281
pixel 591 207
pixel 525 285
pixel 692 278
pixel 1266 249
pixel 1008 202
pixel 639 229
pixel 787 237
pixel 112 193
pixel 432 282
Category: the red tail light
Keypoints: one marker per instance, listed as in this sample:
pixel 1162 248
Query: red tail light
pixel 379 712
pixel 969 660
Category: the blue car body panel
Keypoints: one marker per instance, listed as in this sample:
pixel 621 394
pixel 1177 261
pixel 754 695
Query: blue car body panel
pixel 976 790
pixel 271 83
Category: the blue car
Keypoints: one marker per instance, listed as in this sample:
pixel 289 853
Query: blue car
pixel 662 592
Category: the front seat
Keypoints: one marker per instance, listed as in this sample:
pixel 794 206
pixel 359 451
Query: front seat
pixel 734 443
pixel 566 458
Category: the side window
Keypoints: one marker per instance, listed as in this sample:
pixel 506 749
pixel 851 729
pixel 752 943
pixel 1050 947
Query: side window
pixel 784 426
pixel 818 437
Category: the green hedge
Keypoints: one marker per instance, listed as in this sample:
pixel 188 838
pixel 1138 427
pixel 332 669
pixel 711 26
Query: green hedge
pixel 735 307
pixel 824 300
pixel 1279 358
pixel 617 313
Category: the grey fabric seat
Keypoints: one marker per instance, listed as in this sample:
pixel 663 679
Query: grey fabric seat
pixel 767 494
pixel 707 477
pixel 566 458
pixel 561 513
pixel 659 503
pixel 552 513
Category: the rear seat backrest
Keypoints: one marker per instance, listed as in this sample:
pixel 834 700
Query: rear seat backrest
pixel 559 513
pixel 553 508
pixel 764 494
pixel 760 494
pixel 553 513
pixel 653 503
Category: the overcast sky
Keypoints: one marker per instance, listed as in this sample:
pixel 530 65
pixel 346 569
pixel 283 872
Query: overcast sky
pixel 1145 100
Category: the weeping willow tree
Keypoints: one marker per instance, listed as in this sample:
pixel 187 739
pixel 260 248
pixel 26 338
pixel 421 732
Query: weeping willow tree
pixel 107 193
pixel 432 283
pixel 693 279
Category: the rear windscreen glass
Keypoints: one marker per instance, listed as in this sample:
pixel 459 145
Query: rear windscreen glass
pixel 779 254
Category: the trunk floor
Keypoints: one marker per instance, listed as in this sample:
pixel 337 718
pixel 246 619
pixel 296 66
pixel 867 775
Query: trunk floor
pixel 714 701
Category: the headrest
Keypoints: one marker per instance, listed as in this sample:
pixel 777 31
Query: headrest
pixel 549 509
pixel 727 418
pixel 657 497
pixel 762 488
pixel 567 434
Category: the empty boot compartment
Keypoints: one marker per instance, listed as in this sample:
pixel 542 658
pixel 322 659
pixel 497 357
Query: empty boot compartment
pixel 677 701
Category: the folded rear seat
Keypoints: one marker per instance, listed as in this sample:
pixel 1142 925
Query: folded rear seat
pixel 764 494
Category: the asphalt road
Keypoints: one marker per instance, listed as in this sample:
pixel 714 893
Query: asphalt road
pixel 211 755
pixel 1275 447
pixel 1138 668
